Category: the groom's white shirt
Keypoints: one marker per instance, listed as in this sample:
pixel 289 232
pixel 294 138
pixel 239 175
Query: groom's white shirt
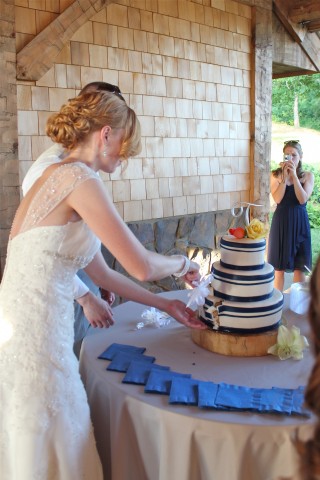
pixel 50 156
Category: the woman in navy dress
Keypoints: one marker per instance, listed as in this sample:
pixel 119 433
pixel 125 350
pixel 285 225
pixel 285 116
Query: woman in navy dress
pixel 289 246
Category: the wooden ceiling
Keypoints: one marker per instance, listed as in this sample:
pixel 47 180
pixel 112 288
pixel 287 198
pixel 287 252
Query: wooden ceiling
pixel 305 13
pixel 300 20
pixel 295 37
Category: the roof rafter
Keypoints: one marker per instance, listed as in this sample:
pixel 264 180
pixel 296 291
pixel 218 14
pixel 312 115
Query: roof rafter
pixel 304 10
pixel 309 42
pixel 37 57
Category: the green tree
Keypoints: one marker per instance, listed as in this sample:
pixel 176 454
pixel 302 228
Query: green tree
pixel 296 101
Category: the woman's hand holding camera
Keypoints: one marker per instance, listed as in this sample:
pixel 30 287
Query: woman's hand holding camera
pixel 288 168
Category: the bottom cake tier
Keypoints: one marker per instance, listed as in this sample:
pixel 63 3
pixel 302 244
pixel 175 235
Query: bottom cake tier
pixel 242 317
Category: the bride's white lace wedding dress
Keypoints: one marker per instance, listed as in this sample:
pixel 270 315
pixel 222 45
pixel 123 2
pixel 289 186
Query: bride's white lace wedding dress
pixel 45 427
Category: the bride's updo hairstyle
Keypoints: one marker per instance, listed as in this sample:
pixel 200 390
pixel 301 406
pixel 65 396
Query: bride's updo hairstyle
pixel 89 112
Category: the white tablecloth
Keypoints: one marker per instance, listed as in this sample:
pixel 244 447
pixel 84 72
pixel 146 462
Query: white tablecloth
pixel 141 437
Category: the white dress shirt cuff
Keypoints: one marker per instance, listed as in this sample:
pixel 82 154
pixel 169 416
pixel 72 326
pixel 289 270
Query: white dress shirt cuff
pixel 79 288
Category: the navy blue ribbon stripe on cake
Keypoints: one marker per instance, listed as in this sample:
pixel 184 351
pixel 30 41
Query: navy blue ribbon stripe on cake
pixel 181 388
pixel 277 307
pixel 243 247
pixel 234 298
pixel 247 331
pixel 242 267
pixel 238 277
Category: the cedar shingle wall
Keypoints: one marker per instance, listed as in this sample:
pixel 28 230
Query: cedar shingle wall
pixel 184 67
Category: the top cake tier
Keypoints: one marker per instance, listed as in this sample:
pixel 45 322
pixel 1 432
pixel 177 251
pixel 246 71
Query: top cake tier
pixel 242 253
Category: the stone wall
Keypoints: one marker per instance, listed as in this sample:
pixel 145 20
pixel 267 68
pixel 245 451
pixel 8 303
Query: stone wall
pixel 196 236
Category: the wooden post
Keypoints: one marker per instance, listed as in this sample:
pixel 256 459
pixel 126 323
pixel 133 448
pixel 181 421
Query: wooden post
pixel 9 165
pixel 261 76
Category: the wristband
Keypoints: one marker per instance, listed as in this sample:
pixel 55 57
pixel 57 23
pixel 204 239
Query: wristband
pixel 185 268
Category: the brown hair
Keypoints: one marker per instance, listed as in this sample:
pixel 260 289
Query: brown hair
pixel 89 112
pixel 310 450
pixel 294 144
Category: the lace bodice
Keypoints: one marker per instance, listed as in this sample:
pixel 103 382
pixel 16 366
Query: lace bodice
pixel 39 372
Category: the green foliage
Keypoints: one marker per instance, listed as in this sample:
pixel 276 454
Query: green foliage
pixel 307 90
pixel 315 244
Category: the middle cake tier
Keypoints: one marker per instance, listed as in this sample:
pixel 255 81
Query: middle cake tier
pixel 242 285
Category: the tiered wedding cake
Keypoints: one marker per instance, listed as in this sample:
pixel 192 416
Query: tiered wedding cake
pixel 241 307
pixel 242 298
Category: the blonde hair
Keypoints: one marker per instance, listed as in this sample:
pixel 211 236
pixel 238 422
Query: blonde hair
pixel 89 112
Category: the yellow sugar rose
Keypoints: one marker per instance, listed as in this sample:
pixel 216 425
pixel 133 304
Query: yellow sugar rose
pixel 256 229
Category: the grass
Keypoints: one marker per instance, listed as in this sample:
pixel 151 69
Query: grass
pixel 315 244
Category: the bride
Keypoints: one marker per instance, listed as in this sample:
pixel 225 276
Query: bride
pixel 45 429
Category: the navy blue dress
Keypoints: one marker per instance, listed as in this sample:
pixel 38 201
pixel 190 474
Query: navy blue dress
pixel 289 246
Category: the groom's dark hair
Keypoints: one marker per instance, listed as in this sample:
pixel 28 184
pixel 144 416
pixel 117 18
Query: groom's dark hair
pixel 102 87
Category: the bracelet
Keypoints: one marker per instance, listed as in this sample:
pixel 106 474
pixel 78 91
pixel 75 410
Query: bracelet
pixel 185 268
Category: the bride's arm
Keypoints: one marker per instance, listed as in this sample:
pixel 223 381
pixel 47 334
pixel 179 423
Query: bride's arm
pixel 109 279
pixel 93 203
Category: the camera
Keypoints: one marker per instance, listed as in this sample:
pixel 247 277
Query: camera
pixel 287 157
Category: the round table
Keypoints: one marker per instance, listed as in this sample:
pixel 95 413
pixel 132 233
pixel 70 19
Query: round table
pixel 141 437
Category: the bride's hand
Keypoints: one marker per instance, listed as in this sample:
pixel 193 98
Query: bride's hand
pixel 184 315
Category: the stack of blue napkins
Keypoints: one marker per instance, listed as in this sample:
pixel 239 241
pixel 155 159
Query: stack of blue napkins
pixel 140 369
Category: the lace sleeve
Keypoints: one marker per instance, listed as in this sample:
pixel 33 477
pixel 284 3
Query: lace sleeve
pixel 56 188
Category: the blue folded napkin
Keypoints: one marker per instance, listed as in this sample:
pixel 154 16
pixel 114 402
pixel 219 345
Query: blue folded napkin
pixel 114 348
pixel 159 381
pixel 298 403
pixel 122 360
pixel 234 396
pixel 275 400
pixel 138 372
pixel 207 393
pixel 184 390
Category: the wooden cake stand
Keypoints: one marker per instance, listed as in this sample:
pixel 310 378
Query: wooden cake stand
pixel 255 345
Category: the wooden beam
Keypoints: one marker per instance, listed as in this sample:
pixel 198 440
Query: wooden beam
pixel 261 93
pixel 309 42
pixel 304 10
pixel 313 26
pixel 36 58
pixel 281 10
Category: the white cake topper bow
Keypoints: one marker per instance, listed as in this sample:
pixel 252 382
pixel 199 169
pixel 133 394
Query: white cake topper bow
pixel 199 292
pixel 240 206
